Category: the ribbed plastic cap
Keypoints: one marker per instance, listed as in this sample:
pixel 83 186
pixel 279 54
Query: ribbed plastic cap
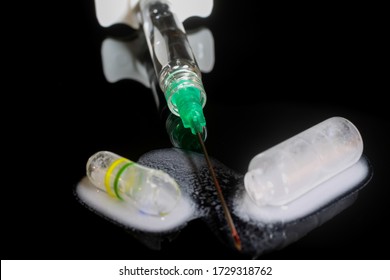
pixel 187 100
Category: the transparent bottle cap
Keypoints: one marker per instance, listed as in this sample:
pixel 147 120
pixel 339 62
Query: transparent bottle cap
pixel 152 191
pixel 288 170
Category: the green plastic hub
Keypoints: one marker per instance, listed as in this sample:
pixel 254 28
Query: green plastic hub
pixel 187 101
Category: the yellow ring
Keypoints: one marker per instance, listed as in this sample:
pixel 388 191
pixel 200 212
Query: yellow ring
pixel 109 173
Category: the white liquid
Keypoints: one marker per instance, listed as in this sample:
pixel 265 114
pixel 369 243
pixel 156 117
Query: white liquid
pixel 309 203
pixel 152 191
pixel 244 207
pixel 299 164
pixel 128 215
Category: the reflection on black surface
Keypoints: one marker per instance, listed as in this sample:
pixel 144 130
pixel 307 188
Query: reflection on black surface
pixel 258 236
pixel 182 137
pixel 123 215
pixel 191 172
pixel 310 66
pixel 129 59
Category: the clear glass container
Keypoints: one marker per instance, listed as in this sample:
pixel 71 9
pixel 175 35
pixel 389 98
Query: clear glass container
pixel 152 191
pixel 297 165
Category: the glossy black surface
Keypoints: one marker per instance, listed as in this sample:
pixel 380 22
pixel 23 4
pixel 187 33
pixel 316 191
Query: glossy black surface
pixel 278 71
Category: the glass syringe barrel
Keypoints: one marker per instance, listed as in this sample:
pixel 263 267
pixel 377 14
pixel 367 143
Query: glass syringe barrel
pixel 174 63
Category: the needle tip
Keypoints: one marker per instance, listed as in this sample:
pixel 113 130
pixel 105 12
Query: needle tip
pixel 237 242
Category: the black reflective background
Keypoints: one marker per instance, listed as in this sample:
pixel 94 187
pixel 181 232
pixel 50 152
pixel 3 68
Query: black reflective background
pixel 278 70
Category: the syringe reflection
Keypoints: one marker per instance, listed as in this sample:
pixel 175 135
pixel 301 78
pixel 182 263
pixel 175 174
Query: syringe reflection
pixel 129 59
pixel 190 170
pixel 258 235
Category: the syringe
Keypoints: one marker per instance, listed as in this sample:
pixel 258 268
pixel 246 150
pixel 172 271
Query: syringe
pixel 179 78
pixel 174 62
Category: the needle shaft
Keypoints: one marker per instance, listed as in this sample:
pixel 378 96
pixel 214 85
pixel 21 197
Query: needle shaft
pixel 236 237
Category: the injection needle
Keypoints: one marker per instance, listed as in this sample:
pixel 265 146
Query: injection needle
pixel 179 78
pixel 236 237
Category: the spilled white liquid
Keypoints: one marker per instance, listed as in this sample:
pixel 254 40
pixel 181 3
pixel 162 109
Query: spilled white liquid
pixel 287 170
pixel 128 215
pixel 243 206
pixel 324 194
pixel 261 228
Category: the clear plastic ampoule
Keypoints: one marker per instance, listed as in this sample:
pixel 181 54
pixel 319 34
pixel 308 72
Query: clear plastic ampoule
pixel 152 191
pixel 290 169
pixel 174 63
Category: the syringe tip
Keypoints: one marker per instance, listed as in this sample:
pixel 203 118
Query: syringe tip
pixel 237 241
pixel 190 109
pixel 197 124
